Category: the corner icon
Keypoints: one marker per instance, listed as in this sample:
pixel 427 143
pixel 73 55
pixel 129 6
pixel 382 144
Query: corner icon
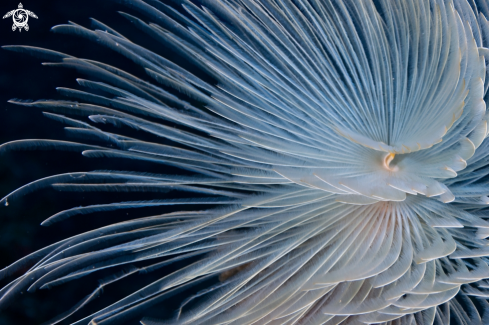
pixel 20 17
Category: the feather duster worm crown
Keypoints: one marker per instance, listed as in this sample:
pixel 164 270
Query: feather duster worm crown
pixel 341 151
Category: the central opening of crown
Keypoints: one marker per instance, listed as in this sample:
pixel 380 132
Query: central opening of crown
pixel 387 162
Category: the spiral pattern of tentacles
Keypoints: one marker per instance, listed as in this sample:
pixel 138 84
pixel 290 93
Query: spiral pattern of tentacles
pixel 341 152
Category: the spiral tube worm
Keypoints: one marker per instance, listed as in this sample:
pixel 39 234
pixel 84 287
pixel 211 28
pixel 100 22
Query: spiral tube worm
pixel 341 152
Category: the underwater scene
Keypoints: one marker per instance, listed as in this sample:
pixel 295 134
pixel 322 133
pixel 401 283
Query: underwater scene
pixel 242 162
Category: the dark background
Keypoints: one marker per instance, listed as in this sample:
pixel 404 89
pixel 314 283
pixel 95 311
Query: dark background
pixel 23 77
